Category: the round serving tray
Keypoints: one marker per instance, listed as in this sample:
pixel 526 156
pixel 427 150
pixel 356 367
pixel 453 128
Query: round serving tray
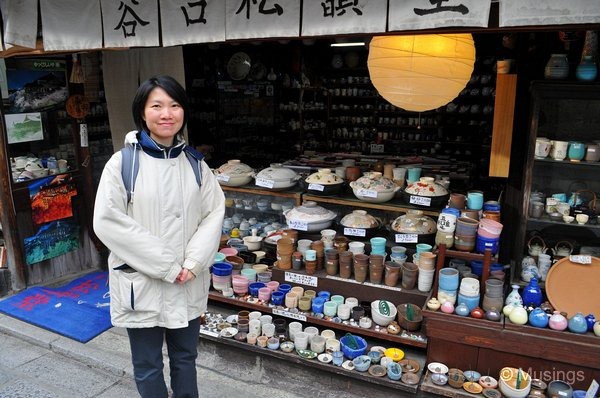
pixel 573 287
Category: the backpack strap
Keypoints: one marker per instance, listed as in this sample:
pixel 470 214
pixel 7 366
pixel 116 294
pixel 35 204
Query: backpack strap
pixel 130 166
pixel 194 157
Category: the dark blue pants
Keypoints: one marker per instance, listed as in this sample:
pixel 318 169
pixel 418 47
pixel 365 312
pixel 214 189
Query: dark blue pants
pixel 146 355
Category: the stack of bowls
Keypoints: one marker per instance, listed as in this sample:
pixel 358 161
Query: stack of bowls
pixel 488 235
pixel 426 271
pixel 469 293
pixel 465 234
pixel 240 284
pixel 221 275
pixel 448 279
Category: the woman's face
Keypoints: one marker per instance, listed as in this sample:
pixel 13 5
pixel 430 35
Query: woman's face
pixel 163 116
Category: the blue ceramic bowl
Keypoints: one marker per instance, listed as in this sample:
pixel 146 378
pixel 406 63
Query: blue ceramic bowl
pixel 394 371
pixel 351 353
pixel 483 243
pixel 375 356
pixel 477 267
pixel 284 287
pixel 253 288
pixel 362 363
pixel 222 269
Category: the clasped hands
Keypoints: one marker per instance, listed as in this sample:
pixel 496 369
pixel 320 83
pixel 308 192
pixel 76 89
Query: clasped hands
pixel 184 276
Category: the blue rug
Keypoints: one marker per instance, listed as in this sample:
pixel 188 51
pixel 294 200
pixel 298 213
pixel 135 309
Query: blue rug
pixel 79 310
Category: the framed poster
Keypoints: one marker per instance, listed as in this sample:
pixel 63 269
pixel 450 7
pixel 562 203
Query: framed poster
pixel 52 240
pixel 51 198
pixel 24 127
pixel 35 85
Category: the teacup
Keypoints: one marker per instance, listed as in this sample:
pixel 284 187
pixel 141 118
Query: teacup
pixel 542 147
pixel 559 150
pixel 582 218
pixel 568 219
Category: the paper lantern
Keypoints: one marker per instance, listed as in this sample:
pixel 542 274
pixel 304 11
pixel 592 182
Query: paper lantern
pixel 422 72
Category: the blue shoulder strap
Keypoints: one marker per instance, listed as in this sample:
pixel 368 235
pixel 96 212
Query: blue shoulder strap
pixel 130 166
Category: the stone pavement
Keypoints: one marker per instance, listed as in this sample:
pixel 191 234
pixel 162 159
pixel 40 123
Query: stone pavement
pixel 35 363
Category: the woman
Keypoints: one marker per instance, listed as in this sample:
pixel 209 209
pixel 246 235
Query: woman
pixel 162 240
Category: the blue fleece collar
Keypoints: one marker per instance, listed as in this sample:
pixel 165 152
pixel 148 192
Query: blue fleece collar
pixel 158 151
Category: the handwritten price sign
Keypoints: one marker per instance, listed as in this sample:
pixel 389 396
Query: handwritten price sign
pixel 420 200
pixel 263 182
pixel 298 225
pixel 316 187
pixel 355 232
pixel 301 279
pixel 367 193
pixel 407 238
pixel 222 177
pixel 287 314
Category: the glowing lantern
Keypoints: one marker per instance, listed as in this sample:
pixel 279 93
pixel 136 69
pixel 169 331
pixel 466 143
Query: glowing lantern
pixel 422 72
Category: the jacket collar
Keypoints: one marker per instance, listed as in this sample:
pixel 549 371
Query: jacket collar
pixel 156 150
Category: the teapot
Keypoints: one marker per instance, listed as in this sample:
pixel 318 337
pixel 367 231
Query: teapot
pixel 562 248
pixel 536 246
pixel 529 269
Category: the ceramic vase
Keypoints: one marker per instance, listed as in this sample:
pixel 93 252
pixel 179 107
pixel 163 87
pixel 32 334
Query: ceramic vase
pixel 514 298
pixel 597 328
pixel 462 310
pixel 557 321
pixel 586 71
pixel 591 320
pixel 577 323
pixel 518 315
pixel 532 294
pixel 557 67
pixel 538 318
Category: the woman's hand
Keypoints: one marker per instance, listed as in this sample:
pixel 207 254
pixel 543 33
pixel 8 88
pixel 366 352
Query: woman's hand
pixel 184 276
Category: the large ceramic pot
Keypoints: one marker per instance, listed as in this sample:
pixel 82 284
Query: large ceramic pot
pixel 360 220
pixel 234 173
pixel 414 223
pixel 373 187
pixel 309 216
pixel 324 182
pixel 426 193
pixel 276 177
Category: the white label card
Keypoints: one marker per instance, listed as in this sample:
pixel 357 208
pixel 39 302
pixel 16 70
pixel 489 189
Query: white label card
pixel 581 259
pixel 316 187
pixel 299 225
pixel 222 177
pixel 407 238
pixel 209 332
pixel 83 135
pixel 377 148
pixel 367 193
pixel 355 232
pixel 420 200
pixel 263 182
pixel 301 279
pixel 287 314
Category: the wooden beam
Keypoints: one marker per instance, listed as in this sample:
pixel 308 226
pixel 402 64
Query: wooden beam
pixel 504 112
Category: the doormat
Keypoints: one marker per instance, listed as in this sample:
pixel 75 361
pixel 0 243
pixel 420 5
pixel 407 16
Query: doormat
pixel 79 310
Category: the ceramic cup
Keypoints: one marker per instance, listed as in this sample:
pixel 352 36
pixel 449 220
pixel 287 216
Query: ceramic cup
pixel 542 147
pixel 301 340
pixel 414 174
pixel 592 153
pixel 559 150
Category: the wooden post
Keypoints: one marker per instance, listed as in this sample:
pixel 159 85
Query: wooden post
pixel 441 259
pixel 504 111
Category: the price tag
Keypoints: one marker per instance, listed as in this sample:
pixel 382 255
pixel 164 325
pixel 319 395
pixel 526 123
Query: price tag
pixel 263 182
pixel 407 238
pixel 420 200
pixel 377 148
pixel 209 333
pixel 299 225
pixel 316 187
pixel 380 286
pixel 83 135
pixel 581 259
pixel 355 232
pixel 367 193
pixel 593 390
pixel 287 314
pixel 222 177
pixel 301 279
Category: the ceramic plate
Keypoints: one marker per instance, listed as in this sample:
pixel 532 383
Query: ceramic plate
pixel 437 367
pixel 439 378
pixel 307 354
pixel 348 365
pixel 232 319
pixel 377 370
pixel 228 332
pixel 378 348
pixel 410 378
pixel 573 287
pixel 238 66
pixel 325 358
pixel 472 387
pixel 491 393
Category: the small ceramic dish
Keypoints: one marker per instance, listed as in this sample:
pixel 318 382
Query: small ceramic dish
pixel 287 346
pixel 491 393
pixel 375 356
pixel 223 325
pixel 232 319
pixel 378 348
pixel 324 358
pixel 439 378
pixel 410 378
pixel 437 367
pixel 240 336
pixel 348 365
pixel 472 387
pixel 472 375
pixel 307 354
pixel 273 343
pixel 488 382
pixel 377 371
pixel 409 366
pixel 395 353
pixel 228 332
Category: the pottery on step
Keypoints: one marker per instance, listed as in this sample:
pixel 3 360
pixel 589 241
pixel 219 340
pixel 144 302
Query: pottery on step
pixel 577 323
pixel 538 318
pixel 557 321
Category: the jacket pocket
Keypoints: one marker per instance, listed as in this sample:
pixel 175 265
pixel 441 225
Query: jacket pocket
pixel 137 292
pixel 197 291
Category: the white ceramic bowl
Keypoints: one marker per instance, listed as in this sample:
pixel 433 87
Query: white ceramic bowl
pixel 507 374
pixel 379 318
pixel 382 196
pixel 253 242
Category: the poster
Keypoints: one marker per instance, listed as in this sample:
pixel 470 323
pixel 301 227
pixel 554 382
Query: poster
pixel 51 198
pixel 52 240
pixel 36 85
pixel 24 127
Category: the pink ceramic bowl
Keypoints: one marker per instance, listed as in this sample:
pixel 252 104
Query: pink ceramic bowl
pixel 229 251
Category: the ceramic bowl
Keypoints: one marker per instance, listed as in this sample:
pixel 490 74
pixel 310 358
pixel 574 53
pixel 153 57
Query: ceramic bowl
pixel 360 219
pixel 507 383
pixel 324 177
pixel 287 346
pixel 439 378
pixel 381 319
pixel 252 242
pixel 414 222
pixel 273 343
pixel 324 358
pixel 559 388
pixel 426 187
pixel 234 173
pixel 352 353
pixel 373 187
pixel 278 176
pixel 362 363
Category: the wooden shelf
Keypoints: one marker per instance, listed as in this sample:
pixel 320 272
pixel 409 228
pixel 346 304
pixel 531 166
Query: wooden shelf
pixel 347 200
pixel 566 162
pixel 314 363
pixel 397 339
pixel 252 189
pixel 547 221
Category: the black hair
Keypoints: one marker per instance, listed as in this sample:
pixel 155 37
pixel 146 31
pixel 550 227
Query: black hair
pixel 171 87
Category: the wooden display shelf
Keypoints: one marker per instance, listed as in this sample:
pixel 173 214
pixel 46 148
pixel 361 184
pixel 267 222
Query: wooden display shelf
pixel 372 332
pixel 427 385
pixel 547 221
pixel 348 200
pixel 252 189
pixel 545 161
pixel 314 363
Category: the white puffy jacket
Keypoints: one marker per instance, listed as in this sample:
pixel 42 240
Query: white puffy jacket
pixel 171 223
